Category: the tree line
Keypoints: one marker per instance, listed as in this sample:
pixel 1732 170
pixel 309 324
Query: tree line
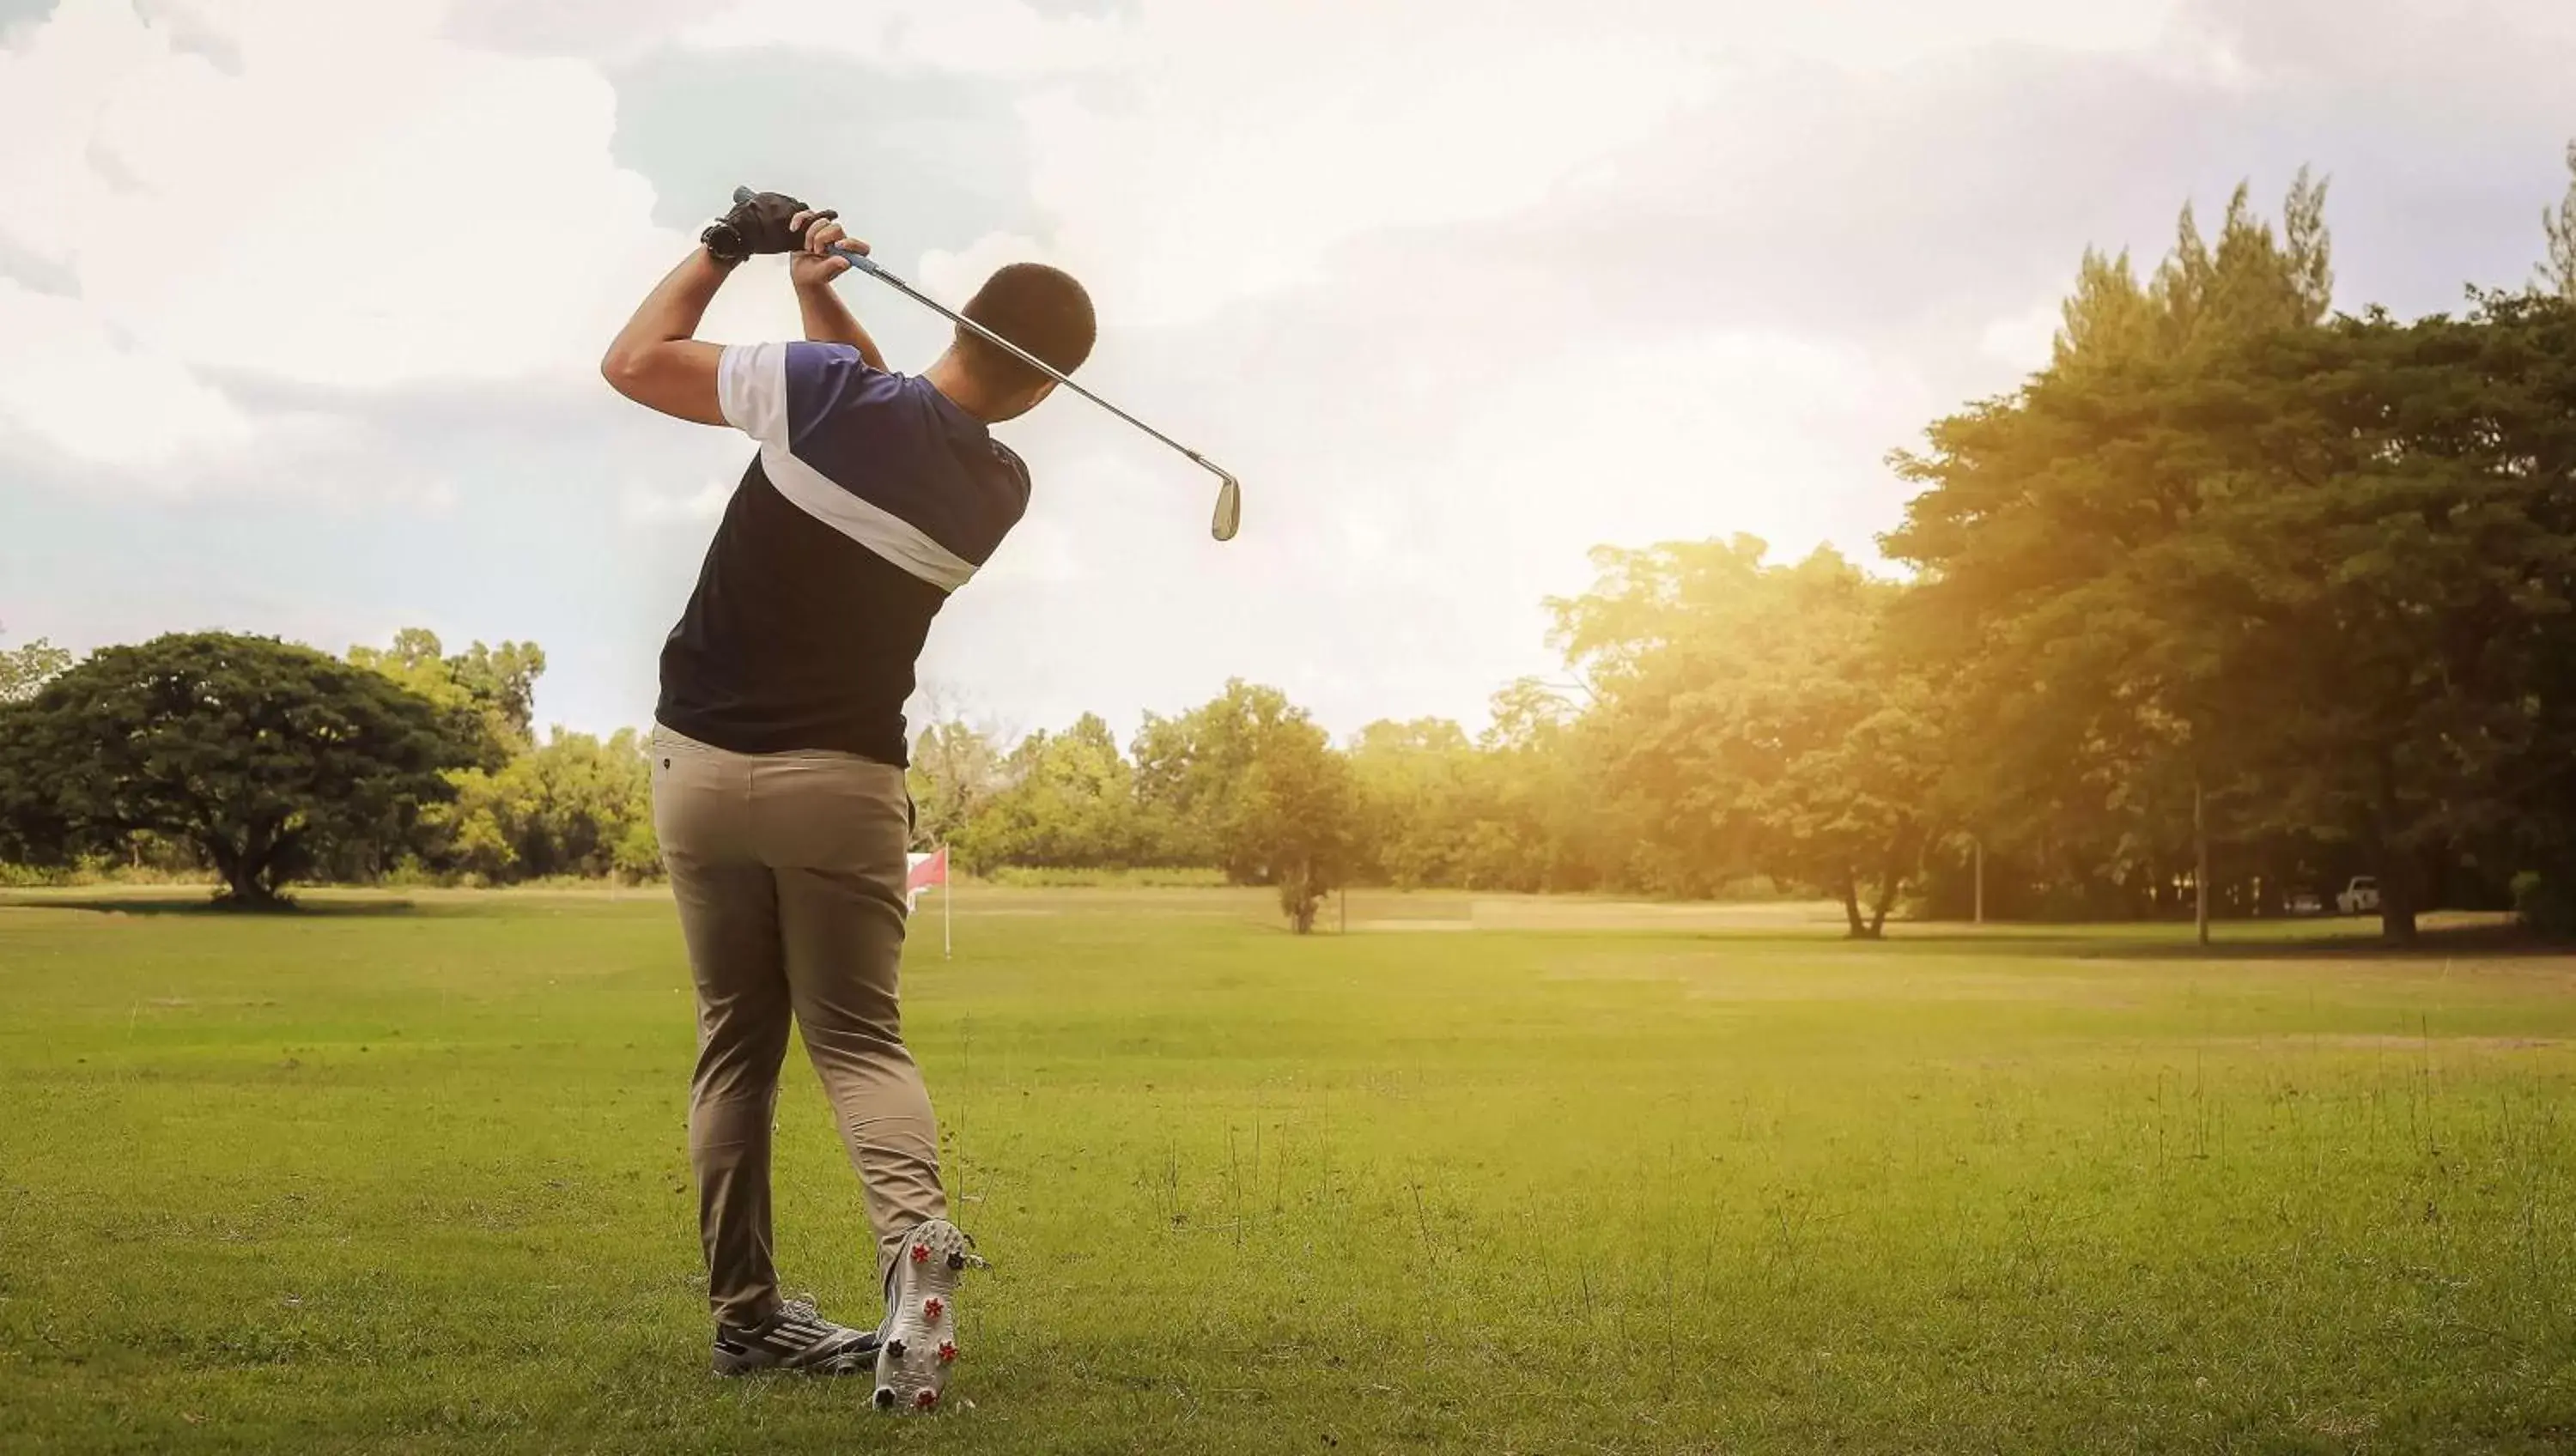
pixel 266 762
pixel 2233 599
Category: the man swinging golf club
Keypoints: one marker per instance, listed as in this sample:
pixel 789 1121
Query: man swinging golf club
pixel 779 746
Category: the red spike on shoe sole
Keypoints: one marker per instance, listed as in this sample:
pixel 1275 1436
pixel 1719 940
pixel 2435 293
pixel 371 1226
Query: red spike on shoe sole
pixel 930 1308
pixel 926 1399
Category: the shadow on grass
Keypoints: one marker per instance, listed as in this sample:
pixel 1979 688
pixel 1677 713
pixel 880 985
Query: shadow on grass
pixel 2230 941
pixel 2447 942
pixel 198 903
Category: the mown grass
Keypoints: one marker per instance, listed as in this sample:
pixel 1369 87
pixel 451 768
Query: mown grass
pixel 413 1180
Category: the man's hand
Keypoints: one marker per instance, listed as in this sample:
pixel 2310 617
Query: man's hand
pixel 815 265
pixel 765 222
pixel 827 319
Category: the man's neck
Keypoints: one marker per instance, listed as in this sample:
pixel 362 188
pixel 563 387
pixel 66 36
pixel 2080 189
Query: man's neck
pixel 948 374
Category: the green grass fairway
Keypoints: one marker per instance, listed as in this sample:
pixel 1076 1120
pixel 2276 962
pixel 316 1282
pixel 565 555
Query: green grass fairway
pixel 411 1179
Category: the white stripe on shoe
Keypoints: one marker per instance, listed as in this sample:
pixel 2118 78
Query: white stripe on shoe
pixel 796 1338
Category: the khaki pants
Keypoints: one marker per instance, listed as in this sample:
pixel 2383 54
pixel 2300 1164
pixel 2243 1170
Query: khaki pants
pixel 789 872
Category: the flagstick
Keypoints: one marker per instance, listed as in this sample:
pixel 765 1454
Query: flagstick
pixel 947 904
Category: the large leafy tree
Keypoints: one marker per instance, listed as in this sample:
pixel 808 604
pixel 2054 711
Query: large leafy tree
pixel 2402 527
pixel 579 806
pixel 956 771
pixel 1249 783
pixel 1294 817
pixel 1068 799
pixel 2051 530
pixel 1539 823
pixel 264 755
pixel 2558 224
pixel 1193 768
pixel 2317 574
pixel 25 669
pixel 1419 800
pixel 1754 717
pixel 493 689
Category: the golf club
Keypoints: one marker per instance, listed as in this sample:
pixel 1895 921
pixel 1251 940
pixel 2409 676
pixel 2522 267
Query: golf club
pixel 1229 492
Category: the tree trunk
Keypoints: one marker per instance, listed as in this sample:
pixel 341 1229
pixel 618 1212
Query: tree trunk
pixel 1300 897
pixel 2396 866
pixel 1890 880
pixel 2397 899
pixel 246 867
pixel 1851 907
pixel 2200 861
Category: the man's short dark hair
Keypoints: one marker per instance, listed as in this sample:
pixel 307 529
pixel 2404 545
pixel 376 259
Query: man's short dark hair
pixel 1039 308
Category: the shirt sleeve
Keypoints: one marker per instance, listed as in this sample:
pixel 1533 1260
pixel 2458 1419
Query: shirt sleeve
pixel 753 383
pixel 751 389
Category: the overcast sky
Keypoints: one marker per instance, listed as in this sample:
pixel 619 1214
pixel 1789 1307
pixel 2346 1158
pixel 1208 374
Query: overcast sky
pixel 301 300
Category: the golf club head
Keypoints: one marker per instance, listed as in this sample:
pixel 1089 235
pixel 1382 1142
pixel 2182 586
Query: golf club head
pixel 1229 507
pixel 742 195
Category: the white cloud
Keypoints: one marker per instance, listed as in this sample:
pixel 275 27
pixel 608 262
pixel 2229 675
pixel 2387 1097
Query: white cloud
pixel 1683 438
pixel 1043 550
pixel 953 277
pixel 1462 287
pixel 1225 149
pixel 69 384
pixel 1259 139
pixel 220 190
pixel 1874 35
pixel 649 505
pixel 981 37
pixel 2025 340
pixel 447 215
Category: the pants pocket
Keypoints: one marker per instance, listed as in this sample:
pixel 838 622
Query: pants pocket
pixel 666 745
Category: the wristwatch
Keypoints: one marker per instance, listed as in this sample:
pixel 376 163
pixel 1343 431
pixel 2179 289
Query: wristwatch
pixel 723 242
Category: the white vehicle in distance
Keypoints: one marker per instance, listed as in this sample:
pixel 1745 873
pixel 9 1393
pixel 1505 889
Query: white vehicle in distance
pixel 2361 897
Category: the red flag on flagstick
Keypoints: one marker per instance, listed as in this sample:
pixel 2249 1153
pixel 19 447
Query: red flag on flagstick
pixel 928 870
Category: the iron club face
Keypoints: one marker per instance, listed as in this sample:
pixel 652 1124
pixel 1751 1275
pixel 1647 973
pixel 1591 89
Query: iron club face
pixel 1229 492
pixel 1229 508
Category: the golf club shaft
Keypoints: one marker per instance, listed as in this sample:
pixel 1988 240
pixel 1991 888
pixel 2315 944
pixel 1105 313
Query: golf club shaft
pixel 866 264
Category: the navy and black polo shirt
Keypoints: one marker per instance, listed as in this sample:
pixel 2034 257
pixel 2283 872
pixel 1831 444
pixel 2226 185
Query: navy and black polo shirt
pixel 872 498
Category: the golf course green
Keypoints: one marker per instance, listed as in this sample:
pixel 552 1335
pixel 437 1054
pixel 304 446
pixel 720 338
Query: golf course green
pixel 408 1175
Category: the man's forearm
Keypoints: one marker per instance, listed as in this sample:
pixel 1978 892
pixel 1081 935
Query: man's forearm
pixel 675 307
pixel 829 321
pixel 657 360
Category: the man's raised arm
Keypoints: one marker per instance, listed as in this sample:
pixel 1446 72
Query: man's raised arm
pixel 657 360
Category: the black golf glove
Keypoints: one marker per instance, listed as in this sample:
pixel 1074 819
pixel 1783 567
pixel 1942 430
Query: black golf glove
pixel 759 223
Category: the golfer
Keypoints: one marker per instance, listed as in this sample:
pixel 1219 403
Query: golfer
pixel 779 749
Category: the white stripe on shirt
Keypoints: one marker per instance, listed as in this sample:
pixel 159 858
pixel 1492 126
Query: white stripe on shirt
pixel 878 529
pixel 751 389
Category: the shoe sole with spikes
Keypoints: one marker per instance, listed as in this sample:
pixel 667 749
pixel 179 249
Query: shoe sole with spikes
pixel 920 1334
